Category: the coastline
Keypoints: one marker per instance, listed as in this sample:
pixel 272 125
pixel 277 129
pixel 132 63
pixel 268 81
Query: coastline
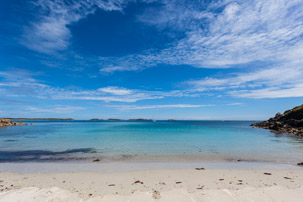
pixel 149 182
pixel 80 156
pixel 134 166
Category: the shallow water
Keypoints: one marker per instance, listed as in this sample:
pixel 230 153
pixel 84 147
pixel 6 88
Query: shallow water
pixel 161 140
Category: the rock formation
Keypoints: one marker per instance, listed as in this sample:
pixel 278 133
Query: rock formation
pixel 291 121
pixel 7 122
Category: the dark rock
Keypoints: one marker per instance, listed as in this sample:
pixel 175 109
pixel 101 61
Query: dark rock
pixel 291 121
pixel 300 164
pixel 96 160
pixel 138 182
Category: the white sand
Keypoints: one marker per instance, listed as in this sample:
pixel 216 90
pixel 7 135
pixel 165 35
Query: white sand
pixel 250 194
pixel 154 185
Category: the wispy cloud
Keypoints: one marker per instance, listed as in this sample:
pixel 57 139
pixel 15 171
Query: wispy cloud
pixel 243 32
pixel 293 91
pixel 279 82
pixel 219 34
pixel 136 107
pixel 235 104
pixel 115 90
pixel 110 69
pixel 22 84
pixel 49 33
pixel 57 109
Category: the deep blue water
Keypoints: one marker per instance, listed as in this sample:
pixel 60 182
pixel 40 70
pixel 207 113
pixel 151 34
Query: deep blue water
pixel 161 140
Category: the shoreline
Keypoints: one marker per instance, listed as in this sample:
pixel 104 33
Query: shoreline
pixel 127 166
pixel 130 159
pixel 88 155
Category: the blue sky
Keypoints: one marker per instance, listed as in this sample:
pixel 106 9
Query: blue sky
pixel 232 60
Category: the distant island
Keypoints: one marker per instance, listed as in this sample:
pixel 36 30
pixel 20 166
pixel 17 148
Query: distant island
pixel 291 121
pixel 111 119
pixel 42 119
pixel 141 119
pixel 96 119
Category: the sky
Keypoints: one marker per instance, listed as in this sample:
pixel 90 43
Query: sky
pixel 159 59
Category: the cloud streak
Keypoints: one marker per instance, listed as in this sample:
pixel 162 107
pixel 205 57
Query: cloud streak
pixel 49 32
pixel 243 32
pixel 57 109
pixel 278 82
pixel 21 84
pixel 135 107
pixel 219 34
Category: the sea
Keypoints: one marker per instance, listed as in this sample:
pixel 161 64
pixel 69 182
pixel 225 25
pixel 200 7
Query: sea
pixel 147 141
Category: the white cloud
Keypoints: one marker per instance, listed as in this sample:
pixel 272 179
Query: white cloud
pixel 136 107
pixel 49 33
pixel 241 34
pixel 244 32
pixel 293 91
pixel 110 69
pixel 57 110
pixel 278 82
pixel 115 90
pixel 21 84
pixel 235 104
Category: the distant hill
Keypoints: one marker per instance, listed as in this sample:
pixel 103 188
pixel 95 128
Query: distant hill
pixel 42 119
pixel 140 119
pixel 291 121
pixel 114 119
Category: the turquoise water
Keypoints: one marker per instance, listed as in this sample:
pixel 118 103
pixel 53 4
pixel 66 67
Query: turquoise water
pixel 161 140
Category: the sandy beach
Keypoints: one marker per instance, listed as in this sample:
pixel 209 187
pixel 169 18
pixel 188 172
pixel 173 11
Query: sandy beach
pixel 180 184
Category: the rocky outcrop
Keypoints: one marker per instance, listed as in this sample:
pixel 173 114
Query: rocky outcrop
pixel 291 121
pixel 7 122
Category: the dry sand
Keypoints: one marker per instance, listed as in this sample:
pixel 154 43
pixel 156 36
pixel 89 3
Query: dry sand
pixel 155 185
